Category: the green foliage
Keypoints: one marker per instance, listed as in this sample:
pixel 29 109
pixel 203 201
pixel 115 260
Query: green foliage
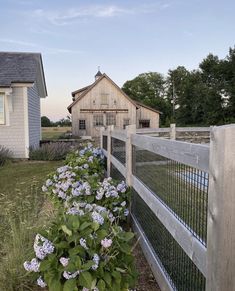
pixel 205 96
pixel 23 211
pixel 45 121
pixel 85 247
pixel 50 151
pixel 5 155
pixel 150 89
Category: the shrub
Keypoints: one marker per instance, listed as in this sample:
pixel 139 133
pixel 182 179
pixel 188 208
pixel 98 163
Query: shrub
pixel 86 248
pixel 50 151
pixel 5 155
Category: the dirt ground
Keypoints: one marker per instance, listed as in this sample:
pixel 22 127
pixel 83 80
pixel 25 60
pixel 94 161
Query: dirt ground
pixel 146 280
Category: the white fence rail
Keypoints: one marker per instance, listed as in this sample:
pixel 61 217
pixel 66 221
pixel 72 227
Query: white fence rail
pixel 216 261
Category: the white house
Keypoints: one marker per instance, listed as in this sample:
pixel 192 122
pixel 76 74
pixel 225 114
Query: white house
pixel 103 103
pixel 22 84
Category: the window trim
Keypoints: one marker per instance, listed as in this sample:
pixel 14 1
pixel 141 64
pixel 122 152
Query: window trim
pixel 101 118
pixel 113 118
pixel 104 99
pixel 82 124
pixel 3 121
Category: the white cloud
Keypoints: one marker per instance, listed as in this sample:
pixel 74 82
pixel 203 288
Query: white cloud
pixel 46 50
pixel 17 42
pixel 65 17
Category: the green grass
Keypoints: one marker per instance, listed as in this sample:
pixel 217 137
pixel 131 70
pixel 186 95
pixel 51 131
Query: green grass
pixel 185 199
pixel 23 210
pixel 54 132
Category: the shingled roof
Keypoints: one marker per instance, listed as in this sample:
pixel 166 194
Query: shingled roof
pixel 17 67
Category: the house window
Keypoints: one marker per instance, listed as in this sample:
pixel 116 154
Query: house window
pixel 144 123
pixel 126 121
pixel 82 124
pixel 110 118
pixel 104 99
pixel 98 120
pixel 2 109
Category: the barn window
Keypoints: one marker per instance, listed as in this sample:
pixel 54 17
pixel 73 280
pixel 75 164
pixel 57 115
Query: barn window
pixel 82 124
pixel 144 123
pixel 110 118
pixel 104 99
pixel 2 109
pixel 98 120
pixel 126 121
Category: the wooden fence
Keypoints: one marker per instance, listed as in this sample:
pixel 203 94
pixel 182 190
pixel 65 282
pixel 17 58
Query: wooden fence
pixel 212 255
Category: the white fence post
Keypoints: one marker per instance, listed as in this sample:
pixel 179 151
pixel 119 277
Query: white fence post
pixel 101 137
pixel 221 211
pixel 109 149
pixel 172 131
pixel 130 129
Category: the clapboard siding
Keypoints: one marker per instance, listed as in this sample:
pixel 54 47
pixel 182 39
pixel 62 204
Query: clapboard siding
pixel 12 135
pixel 92 100
pixel 117 101
pixel 34 116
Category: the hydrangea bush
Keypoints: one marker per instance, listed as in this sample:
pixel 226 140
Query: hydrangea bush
pixel 86 248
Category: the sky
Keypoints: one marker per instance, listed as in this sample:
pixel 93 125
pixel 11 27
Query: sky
pixel 125 38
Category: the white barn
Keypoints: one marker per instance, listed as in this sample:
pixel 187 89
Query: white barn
pixel 22 84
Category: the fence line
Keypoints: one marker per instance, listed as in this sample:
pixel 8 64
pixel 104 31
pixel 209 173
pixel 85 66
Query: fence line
pixel 187 249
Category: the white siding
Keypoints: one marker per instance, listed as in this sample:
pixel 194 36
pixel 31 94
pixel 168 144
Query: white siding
pixel 34 116
pixel 12 135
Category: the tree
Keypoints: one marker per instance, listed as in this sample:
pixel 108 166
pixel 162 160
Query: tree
pixel 150 89
pixel 45 122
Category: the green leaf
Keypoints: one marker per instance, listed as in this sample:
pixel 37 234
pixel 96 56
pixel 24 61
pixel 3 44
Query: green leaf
pixel 95 226
pixel 76 250
pixel 45 265
pixel 101 234
pixel 70 285
pixel 62 245
pixel 101 285
pixel 55 285
pixel 117 276
pixel 108 279
pixel 120 270
pixel 85 280
pixel 66 230
pixel 85 225
pixel 77 262
pixel 88 265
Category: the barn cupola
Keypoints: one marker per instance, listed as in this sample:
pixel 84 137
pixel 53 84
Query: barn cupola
pixel 98 74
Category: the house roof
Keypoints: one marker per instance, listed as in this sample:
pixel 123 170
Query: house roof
pixel 18 67
pixel 86 89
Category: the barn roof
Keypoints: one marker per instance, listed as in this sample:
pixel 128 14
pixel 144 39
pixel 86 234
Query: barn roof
pixel 86 89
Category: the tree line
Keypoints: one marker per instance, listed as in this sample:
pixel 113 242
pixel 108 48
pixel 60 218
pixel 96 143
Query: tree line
pixel 46 122
pixel 201 97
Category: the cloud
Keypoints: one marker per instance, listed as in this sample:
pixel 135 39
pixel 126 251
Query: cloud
pixel 65 17
pixel 17 42
pixel 46 50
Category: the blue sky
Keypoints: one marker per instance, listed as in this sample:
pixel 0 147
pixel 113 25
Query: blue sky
pixel 125 38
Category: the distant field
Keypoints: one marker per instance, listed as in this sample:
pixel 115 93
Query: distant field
pixel 54 132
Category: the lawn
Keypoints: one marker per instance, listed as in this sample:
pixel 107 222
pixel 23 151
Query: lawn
pixel 54 132
pixel 23 210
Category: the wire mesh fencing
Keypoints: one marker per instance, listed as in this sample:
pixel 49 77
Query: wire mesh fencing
pixel 183 189
pixel 115 174
pixel 118 150
pixel 105 142
pixel 182 274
